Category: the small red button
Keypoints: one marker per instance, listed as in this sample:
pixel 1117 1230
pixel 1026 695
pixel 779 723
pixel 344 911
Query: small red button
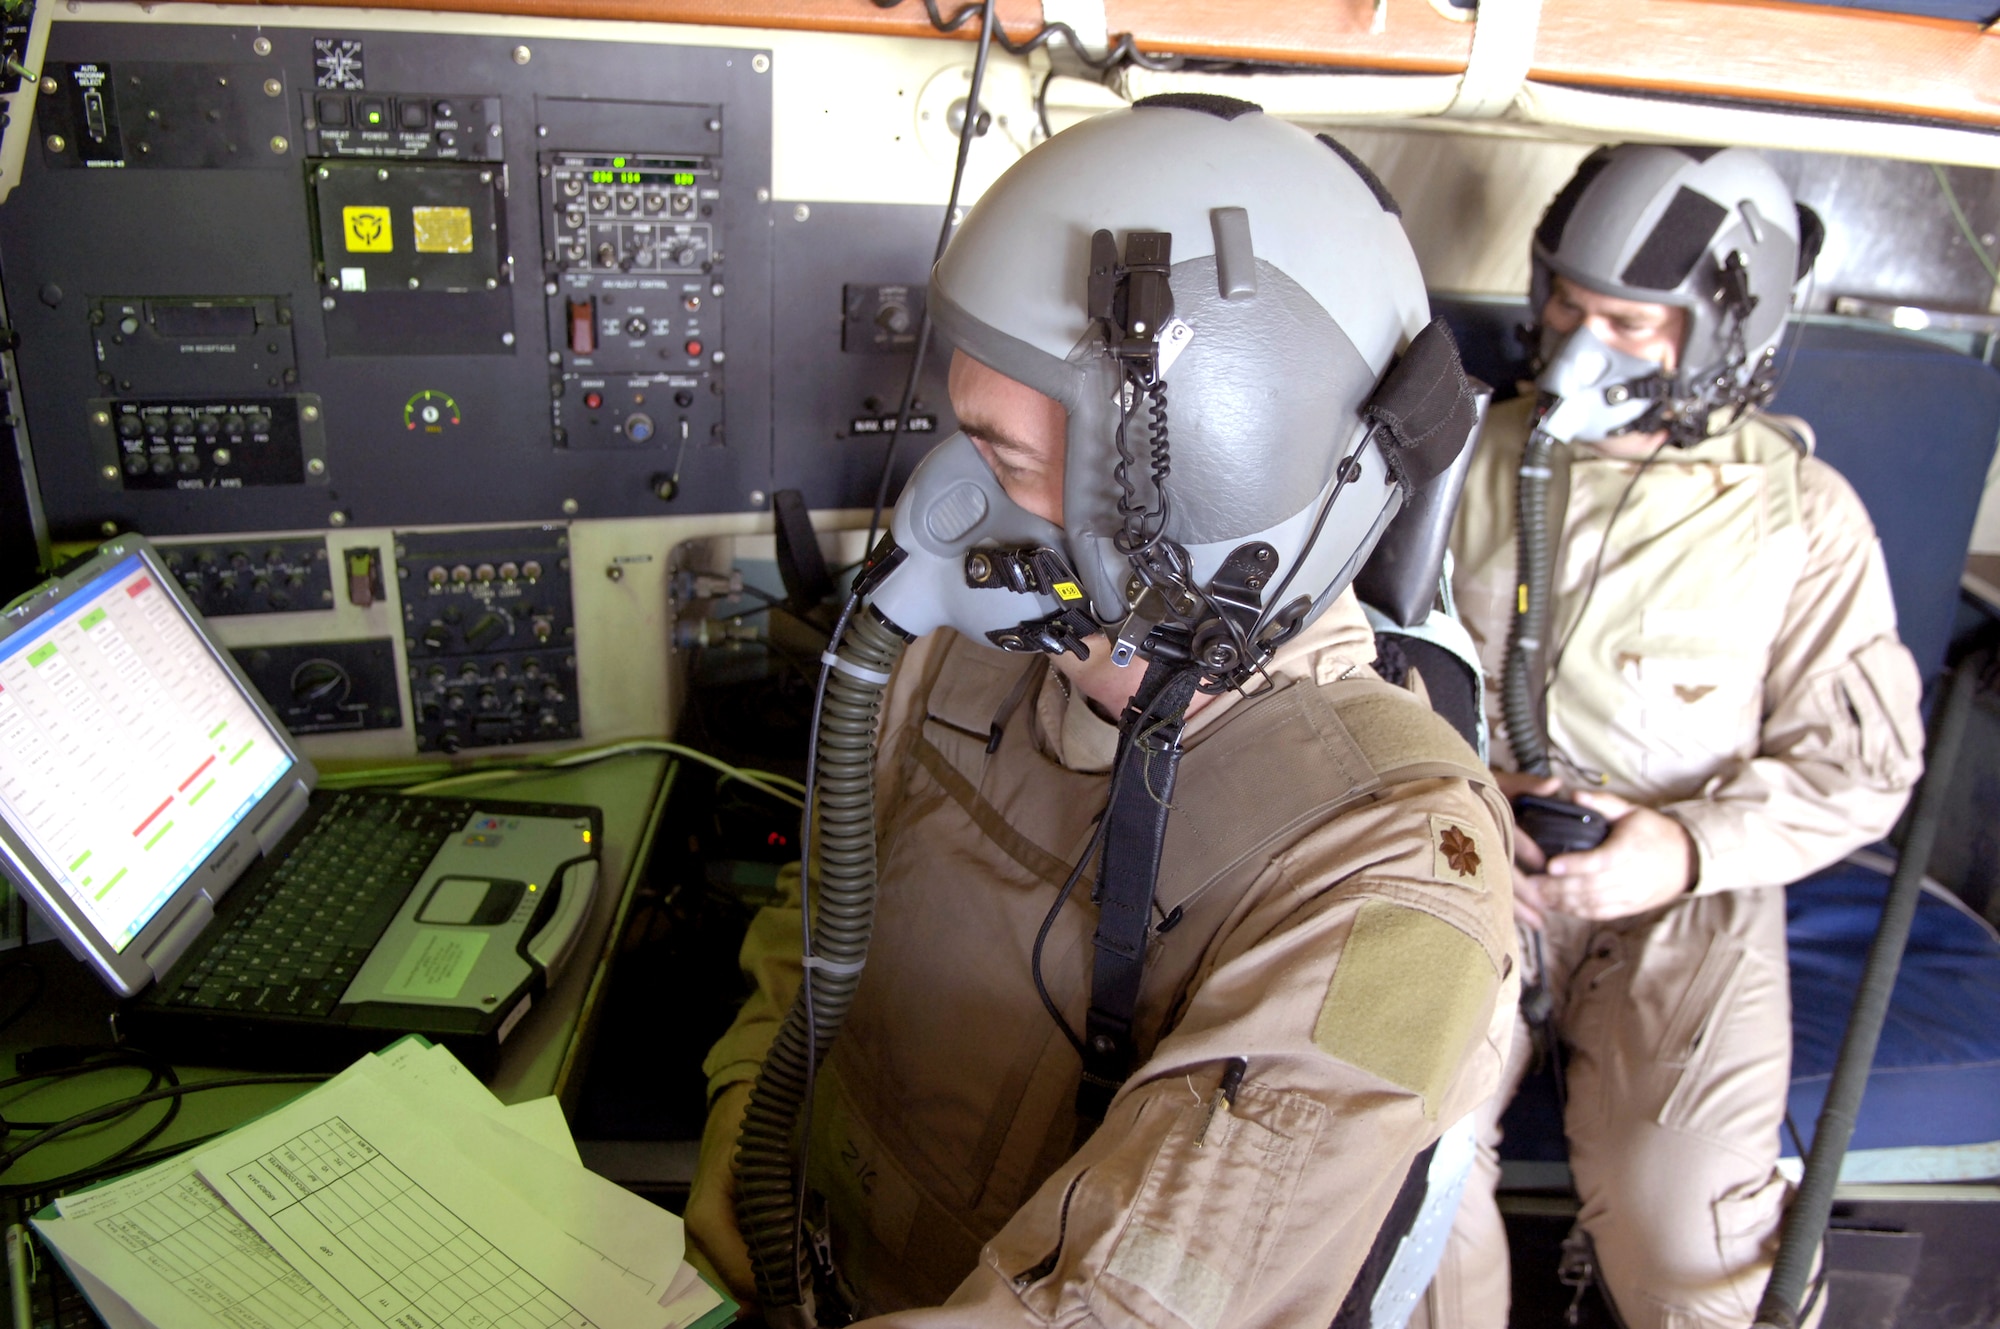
pixel 593 400
pixel 693 347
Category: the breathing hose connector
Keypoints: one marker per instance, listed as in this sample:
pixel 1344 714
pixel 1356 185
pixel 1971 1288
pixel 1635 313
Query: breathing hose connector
pixel 1527 637
pixel 770 1154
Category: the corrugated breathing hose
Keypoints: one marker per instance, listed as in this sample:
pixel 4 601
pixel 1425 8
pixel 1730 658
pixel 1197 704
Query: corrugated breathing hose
pixel 770 1155
pixel 1527 637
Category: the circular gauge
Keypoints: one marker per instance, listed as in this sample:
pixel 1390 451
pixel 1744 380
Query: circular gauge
pixel 432 412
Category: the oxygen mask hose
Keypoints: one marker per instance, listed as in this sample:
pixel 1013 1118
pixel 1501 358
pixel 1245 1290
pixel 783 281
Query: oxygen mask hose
pixel 1527 637
pixel 770 1157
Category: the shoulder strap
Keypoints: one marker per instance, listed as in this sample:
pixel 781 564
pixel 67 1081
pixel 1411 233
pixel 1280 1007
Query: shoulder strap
pixel 1135 829
pixel 1369 735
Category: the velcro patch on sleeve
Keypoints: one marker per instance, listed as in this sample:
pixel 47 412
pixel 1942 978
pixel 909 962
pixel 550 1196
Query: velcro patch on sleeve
pixel 1409 996
pixel 1458 854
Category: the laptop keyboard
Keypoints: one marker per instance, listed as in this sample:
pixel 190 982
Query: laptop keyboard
pixel 297 946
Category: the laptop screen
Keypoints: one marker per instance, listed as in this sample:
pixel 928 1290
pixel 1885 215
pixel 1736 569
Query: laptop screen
pixel 127 752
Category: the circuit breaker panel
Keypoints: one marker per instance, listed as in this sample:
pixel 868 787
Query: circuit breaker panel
pixel 289 278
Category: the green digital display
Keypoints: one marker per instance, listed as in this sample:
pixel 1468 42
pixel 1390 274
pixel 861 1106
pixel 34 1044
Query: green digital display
pixel 635 169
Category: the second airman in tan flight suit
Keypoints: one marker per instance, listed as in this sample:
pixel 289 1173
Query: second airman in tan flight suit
pixel 1725 684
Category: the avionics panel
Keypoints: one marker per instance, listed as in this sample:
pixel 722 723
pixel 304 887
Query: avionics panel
pixel 294 278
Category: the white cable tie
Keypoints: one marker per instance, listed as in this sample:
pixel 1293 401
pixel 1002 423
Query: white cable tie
pixel 847 666
pixel 820 962
pixel 1536 472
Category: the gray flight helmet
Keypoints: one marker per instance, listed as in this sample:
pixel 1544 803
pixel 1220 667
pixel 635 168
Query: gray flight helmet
pixel 1290 265
pixel 1677 226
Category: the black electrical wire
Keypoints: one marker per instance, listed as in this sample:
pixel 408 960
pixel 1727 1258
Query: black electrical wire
pixel 1122 50
pixel 1597 568
pixel 967 131
pixel 121 1107
pixel 1048 924
pixel 1042 104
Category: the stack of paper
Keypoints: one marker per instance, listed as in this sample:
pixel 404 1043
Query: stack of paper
pixel 399 1195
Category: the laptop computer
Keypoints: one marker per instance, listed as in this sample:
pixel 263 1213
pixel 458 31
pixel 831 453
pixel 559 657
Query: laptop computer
pixel 157 812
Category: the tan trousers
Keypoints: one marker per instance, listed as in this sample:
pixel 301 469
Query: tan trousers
pixel 1676 1026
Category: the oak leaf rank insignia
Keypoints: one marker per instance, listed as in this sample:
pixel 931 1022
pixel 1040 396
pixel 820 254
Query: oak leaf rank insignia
pixel 1459 851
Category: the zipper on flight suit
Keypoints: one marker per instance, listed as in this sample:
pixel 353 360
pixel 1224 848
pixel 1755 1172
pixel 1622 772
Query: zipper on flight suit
pixel 1028 1277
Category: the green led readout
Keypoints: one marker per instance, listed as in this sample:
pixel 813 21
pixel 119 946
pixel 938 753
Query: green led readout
pixel 685 179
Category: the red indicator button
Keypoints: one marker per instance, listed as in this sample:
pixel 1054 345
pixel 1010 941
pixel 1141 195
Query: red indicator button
pixel 593 400
pixel 693 347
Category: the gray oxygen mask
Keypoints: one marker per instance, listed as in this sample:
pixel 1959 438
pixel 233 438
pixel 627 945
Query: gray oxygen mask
pixel 1599 390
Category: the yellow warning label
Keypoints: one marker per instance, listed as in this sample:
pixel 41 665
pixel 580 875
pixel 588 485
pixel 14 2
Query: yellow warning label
pixel 1069 590
pixel 442 230
pixel 367 230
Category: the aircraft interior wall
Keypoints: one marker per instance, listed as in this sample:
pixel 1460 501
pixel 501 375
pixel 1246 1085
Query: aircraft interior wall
pixel 442 350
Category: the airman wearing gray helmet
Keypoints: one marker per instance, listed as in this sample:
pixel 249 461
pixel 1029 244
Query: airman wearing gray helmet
pixel 1715 672
pixel 1327 967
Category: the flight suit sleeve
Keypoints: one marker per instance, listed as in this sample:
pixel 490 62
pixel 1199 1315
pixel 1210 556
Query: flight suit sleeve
pixel 1842 737
pixel 1370 986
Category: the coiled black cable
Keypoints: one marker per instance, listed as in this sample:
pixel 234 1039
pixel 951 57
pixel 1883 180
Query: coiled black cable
pixel 1122 50
pixel 770 1149
pixel 1527 636
pixel 1143 527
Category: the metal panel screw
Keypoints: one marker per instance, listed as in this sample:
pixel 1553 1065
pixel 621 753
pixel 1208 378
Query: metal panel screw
pixel 326 302
pixel 109 528
pixel 57 143
pixel 801 212
pixel 506 339
pixel 761 63
pixel 222 456
pixel 50 87
pixel 336 518
pixel 272 87
pixel 309 413
pixel 100 417
pixel 757 498
pixel 280 144
pixel 763 195
pixel 522 55
pixel 317 466
pixel 569 507
pixel 261 46
pixel 109 472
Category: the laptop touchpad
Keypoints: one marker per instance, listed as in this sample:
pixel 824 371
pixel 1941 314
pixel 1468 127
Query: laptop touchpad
pixel 481 901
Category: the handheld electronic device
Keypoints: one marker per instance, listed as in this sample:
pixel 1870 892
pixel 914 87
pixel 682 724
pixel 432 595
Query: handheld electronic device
pixel 1559 826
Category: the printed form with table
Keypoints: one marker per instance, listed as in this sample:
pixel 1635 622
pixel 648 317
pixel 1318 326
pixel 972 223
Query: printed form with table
pixel 401 1194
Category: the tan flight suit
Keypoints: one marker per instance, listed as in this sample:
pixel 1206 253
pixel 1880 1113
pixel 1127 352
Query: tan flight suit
pixel 1358 951
pixel 1737 669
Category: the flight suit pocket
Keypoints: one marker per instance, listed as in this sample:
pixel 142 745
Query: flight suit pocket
pixel 1173 1262
pixel 1877 692
pixel 1696 711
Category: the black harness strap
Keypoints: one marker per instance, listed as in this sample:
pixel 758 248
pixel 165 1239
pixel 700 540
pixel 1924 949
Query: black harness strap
pixel 1142 788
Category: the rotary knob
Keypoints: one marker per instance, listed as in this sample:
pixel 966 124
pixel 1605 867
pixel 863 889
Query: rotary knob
pixel 320 682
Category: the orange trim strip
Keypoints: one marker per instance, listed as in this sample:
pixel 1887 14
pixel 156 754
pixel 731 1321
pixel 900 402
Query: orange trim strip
pixel 1771 53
